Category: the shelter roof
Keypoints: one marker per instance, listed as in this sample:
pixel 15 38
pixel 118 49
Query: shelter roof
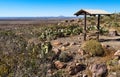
pixel 92 12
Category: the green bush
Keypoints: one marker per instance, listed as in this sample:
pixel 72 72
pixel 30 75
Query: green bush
pixel 93 47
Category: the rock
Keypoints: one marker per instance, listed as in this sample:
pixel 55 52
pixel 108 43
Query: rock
pixel 117 53
pixel 116 57
pixel 99 70
pixel 118 73
pixel 82 59
pixel 49 66
pixel 119 62
pixel 49 73
pixel 59 65
pixel 63 48
pixel 56 51
pixel 78 75
pixel 113 32
pixel 56 43
pixel 114 74
pixel 79 38
pixel 105 46
pixel 75 68
pixel 34 41
pixel 72 43
pixel 84 75
pixel 81 52
pixel 66 44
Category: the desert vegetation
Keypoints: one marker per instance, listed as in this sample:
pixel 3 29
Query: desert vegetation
pixel 57 50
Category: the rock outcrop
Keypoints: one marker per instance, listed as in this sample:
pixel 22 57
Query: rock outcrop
pixel 99 70
pixel 74 68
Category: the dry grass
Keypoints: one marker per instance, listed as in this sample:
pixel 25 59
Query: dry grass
pixel 114 68
pixel 89 73
pixel 106 58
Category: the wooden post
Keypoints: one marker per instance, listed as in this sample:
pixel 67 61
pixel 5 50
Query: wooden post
pixel 85 27
pixel 98 27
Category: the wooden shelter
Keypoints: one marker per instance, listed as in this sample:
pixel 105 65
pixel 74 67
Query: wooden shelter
pixel 91 12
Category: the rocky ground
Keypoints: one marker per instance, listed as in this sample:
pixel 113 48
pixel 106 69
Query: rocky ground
pixel 81 64
pixel 74 42
pixel 112 41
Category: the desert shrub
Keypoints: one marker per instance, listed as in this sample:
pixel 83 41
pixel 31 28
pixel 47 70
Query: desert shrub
pixel 51 32
pixel 77 31
pixel 59 73
pixel 9 41
pixel 24 54
pixel 65 57
pixel 90 28
pixel 4 69
pixel 112 62
pixel 93 47
pixel 103 31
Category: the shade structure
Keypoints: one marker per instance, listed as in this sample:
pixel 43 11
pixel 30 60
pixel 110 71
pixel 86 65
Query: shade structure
pixel 86 12
pixel 91 12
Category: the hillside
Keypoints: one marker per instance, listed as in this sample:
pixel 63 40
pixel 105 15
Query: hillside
pixel 30 48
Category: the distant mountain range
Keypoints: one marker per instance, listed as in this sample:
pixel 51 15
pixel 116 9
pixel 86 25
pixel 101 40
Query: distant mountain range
pixel 35 18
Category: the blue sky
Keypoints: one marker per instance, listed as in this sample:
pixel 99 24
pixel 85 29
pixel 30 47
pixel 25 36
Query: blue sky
pixel 38 8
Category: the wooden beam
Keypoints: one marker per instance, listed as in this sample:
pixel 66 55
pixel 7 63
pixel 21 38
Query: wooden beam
pixel 85 26
pixel 98 27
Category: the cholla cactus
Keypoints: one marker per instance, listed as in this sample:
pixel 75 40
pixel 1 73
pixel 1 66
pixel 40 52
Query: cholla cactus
pixel 45 48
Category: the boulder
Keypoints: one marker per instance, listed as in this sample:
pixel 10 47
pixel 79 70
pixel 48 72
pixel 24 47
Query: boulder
pixel 59 65
pixel 99 70
pixel 113 32
pixel 74 68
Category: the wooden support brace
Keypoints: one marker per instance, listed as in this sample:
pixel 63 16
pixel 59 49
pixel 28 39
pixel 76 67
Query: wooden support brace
pixel 85 27
pixel 98 27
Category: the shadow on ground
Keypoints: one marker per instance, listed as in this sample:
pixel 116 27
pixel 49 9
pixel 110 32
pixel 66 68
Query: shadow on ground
pixel 107 40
